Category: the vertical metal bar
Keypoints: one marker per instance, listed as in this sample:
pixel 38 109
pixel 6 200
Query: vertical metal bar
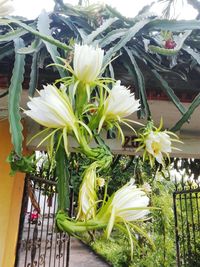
pixel 64 248
pixel 42 227
pixel 188 231
pixel 182 229
pixel 193 226
pixel 60 247
pixel 47 231
pixel 176 232
pixel 21 221
pixel 36 244
pixel 56 237
pixel 39 196
pixel 71 212
pixel 53 226
pixel 197 210
pixel 29 227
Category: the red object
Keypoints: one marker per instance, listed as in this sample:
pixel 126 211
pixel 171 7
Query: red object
pixel 34 216
pixel 170 44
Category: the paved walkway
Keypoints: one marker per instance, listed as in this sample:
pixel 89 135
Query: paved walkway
pixel 82 256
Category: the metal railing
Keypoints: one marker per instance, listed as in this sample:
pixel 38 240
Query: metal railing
pixel 39 242
pixel 186 200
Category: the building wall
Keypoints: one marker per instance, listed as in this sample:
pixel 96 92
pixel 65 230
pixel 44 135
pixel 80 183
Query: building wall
pixel 11 191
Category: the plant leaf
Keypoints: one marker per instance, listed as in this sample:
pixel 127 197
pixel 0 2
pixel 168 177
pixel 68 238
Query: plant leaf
pixel 170 93
pixel 140 83
pixel 43 27
pixel 148 58
pixel 41 35
pixel 34 74
pixel 6 50
pixel 15 89
pixel 99 30
pixel 173 25
pixel 31 48
pixel 111 37
pixel 187 114
pixel 13 34
pixel 126 38
pixel 194 54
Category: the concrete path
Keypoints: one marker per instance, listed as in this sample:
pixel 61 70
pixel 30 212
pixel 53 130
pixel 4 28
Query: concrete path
pixel 82 256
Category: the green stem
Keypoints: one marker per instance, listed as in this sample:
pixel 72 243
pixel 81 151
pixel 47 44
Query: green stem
pixel 86 148
pixel 81 98
pixel 63 178
pixel 73 227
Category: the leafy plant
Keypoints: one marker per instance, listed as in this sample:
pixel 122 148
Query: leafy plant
pixel 51 36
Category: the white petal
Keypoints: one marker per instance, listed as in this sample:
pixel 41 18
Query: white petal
pixel 126 199
pixel 120 103
pixel 87 62
pixel 52 109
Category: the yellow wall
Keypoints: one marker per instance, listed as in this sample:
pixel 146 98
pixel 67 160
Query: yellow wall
pixel 11 191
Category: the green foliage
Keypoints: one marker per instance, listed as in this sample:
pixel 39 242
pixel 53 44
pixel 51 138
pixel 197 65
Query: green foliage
pixel 43 27
pixel 133 68
pixel 26 164
pixel 168 90
pixel 160 229
pixel 15 89
pixel 50 36
pixel 195 103
pixel 63 178
pixel 116 250
pixel 162 226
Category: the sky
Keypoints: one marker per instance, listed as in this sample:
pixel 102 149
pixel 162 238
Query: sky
pixel 128 8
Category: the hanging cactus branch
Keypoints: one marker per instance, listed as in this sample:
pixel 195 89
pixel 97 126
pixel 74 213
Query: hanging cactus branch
pixel 83 106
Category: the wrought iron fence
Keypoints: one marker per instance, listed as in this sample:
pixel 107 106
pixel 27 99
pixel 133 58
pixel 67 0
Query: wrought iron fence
pixel 187 224
pixel 39 242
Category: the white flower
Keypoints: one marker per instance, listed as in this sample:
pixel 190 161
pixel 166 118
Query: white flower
pixel 5 8
pixel 126 202
pixel 158 143
pixel 119 104
pixel 51 109
pixel 87 194
pixel 87 63
pixel 126 205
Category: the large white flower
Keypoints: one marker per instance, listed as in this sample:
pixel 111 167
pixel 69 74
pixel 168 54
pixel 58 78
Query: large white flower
pixel 87 194
pixel 5 7
pixel 126 201
pixel 127 204
pixel 119 104
pixel 51 109
pixel 157 143
pixel 87 63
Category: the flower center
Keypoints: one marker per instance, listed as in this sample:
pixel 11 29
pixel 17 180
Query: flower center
pixel 156 147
